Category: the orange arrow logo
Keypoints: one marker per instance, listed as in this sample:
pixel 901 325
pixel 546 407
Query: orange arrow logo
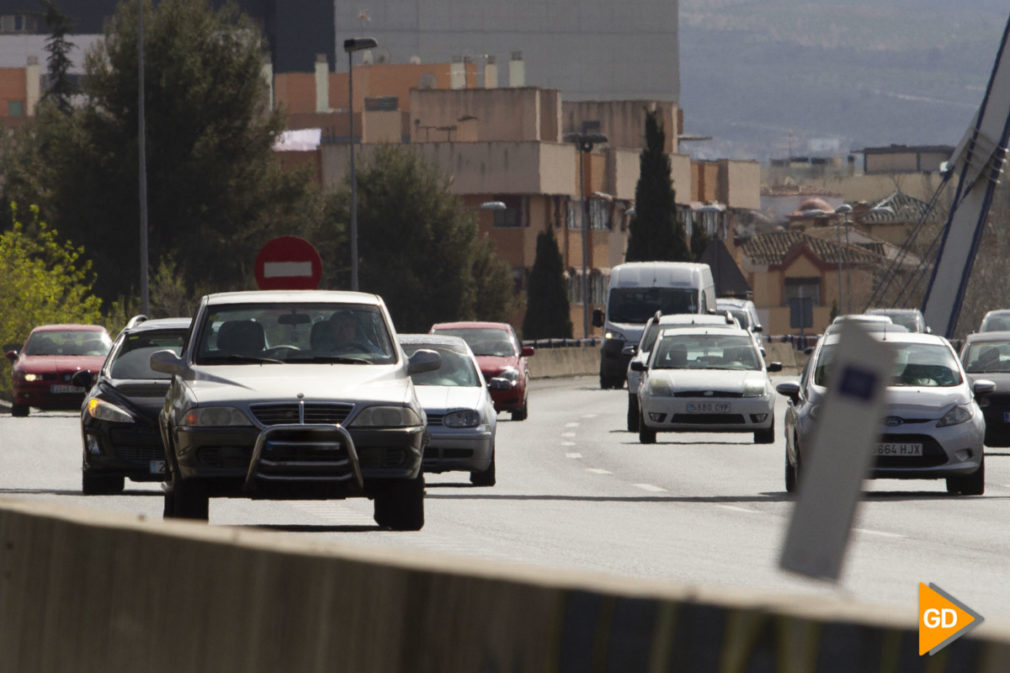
pixel 942 619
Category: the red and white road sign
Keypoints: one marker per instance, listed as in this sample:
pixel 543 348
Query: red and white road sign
pixel 288 263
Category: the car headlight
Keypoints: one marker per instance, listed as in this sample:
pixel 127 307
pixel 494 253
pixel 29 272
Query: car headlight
pixel 959 414
pixel 465 418
pixel 509 374
pixel 753 388
pixel 29 377
pixel 614 334
pixel 387 417
pixel 215 417
pixel 660 388
pixel 106 411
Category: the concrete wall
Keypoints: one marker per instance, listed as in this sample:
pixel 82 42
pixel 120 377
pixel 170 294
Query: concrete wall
pixel 522 114
pixel 89 592
pixel 622 122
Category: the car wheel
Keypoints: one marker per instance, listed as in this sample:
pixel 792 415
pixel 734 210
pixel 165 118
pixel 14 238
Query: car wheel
pixel 101 484
pixel 520 413
pixel 400 504
pixel 973 484
pixel 646 435
pixel 189 500
pixel 632 413
pixel 765 436
pixel 484 477
pixel 19 410
pixel 791 481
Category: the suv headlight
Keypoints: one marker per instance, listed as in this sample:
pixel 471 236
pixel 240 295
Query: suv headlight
pixel 465 418
pixel 215 417
pixel 386 417
pixel 959 414
pixel 106 411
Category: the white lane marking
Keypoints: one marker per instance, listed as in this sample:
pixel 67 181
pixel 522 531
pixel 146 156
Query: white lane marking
pixel 596 470
pixel 567 443
pixel 573 455
pixel 572 425
pixel 876 532
pixel 734 508
pixel 567 434
pixel 589 415
pixel 651 488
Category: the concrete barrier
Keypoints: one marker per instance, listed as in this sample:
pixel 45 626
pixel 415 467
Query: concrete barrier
pixel 86 592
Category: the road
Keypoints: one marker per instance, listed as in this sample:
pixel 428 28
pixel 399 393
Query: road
pixel 576 490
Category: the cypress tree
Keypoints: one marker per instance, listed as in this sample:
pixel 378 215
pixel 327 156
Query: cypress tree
pixel 547 310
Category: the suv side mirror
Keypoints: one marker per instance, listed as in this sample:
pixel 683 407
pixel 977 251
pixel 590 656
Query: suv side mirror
pixel 423 360
pixel 597 318
pixel 167 362
pixel 790 389
pixel 639 366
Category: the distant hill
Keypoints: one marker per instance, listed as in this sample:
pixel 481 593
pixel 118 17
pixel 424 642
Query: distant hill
pixel 766 78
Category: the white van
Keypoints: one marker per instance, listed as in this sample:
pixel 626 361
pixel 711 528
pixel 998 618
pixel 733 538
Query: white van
pixel 636 291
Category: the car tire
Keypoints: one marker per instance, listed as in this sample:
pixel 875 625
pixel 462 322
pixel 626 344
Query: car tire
pixel 973 484
pixel 765 436
pixel 791 477
pixel 189 500
pixel 646 435
pixel 632 413
pixel 484 477
pixel 19 410
pixel 520 413
pixel 400 504
pixel 101 484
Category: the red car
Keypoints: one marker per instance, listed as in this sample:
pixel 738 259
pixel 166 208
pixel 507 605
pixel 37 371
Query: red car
pixel 500 355
pixel 49 357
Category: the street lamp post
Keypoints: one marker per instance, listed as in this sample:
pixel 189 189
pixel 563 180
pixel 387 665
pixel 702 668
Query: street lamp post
pixel 842 212
pixel 584 143
pixel 142 158
pixel 352 45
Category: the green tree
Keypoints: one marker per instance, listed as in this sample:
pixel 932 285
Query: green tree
pixel 654 231
pixel 699 241
pixel 61 87
pixel 215 190
pixel 548 313
pixel 417 245
pixel 43 279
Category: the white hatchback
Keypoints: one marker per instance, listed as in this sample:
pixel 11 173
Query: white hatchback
pixel 706 379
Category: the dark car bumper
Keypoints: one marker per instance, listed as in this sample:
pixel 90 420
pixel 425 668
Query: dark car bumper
pixel 130 450
pixel 997 420
pixel 506 400
pixel 613 360
pixel 44 395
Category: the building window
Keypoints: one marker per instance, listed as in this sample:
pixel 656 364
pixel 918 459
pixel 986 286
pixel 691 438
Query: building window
pixel 511 217
pixel 15 108
pixel 804 287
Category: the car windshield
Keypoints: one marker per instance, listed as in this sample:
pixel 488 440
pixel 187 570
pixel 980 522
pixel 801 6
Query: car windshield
pixel 706 351
pixel 741 315
pixel 457 369
pixel 997 322
pixel 68 342
pixel 493 341
pixel 132 359
pixel 294 333
pixel 638 304
pixel 915 364
pixel 987 356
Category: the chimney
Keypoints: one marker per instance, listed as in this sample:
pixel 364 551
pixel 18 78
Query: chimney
pixel 517 70
pixel 457 73
pixel 491 72
pixel 33 85
pixel 322 83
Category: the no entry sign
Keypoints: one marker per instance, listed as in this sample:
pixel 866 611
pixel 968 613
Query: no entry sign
pixel 288 263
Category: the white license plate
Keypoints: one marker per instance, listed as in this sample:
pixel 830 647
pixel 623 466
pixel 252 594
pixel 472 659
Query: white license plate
pixel 707 407
pixel 65 389
pixel 157 467
pixel 899 449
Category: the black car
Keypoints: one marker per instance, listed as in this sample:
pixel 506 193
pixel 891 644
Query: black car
pixel 119 417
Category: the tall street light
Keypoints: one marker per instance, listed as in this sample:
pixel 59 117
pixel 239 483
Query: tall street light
pixel 842 212
pixel 584 143
pixel 142 158
pixel 352 45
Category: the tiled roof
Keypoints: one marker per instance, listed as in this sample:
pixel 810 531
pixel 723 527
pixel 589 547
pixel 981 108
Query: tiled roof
pixel 905 209
pixel 772 249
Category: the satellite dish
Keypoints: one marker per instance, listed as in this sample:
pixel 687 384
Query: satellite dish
pixel 415 60
pixel 367 57
pixel 427 81
pixel 381 55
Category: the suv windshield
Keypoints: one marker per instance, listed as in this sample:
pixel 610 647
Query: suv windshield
pixel 295 333
pixel 638 304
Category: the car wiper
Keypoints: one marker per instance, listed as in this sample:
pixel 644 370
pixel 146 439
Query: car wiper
pixel 253 359
pixel 335 359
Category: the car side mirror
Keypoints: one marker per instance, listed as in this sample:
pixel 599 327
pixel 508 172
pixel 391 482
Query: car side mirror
pixel 757 328
pixel 12 354
pixel 498 383
pixel 423 360
pixel 82 378
pixel 774 366
pixel 167 362
pixel 597 318
pixel 639 366
pixel 790 389
pixel 630 350
pixel 982 387
pixel 529 351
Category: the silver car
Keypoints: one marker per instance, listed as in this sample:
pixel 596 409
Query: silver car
pixel 706 379
pixel 461 416
pixel 933 426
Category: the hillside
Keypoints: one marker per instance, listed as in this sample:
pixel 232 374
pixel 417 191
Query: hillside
pixel 768 77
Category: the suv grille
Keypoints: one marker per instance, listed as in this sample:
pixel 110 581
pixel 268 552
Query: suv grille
pixel 305 454
pixel 277 414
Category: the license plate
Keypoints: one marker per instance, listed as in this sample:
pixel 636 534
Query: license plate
pixel 1006 416
pixel 65 389
pixel 707 407
pixel 899 449
pixel 157 467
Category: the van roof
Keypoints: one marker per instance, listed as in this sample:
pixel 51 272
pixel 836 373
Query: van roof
pixel 646 274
